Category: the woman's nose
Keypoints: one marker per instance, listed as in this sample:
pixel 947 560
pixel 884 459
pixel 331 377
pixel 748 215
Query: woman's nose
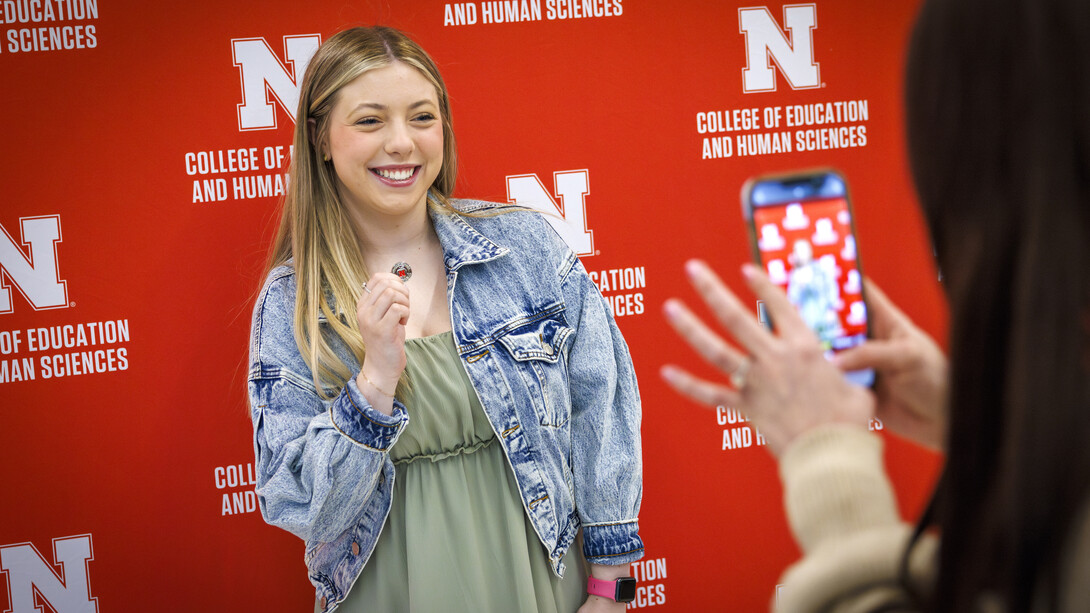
pixel 399 139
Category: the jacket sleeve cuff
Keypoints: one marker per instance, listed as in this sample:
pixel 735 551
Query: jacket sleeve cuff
pixel 612 543
pixel 354 417
pixel 835 484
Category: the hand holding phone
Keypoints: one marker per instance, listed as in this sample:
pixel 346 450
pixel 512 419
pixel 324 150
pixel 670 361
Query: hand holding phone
pixel 803 235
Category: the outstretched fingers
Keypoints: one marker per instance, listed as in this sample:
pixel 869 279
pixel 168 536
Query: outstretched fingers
pixel 699 390
pixel 728 309
pixel 701 338
pixel 783 314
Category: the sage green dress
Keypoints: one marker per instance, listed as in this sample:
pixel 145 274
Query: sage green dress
pixel 457 538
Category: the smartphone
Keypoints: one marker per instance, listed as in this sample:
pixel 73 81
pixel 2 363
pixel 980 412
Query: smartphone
pixel 803 235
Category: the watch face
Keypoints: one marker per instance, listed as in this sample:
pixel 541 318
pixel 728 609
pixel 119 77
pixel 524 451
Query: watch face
pixel 626 589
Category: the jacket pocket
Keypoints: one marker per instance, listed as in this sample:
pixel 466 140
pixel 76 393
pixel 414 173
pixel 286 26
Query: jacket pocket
pixel 539 353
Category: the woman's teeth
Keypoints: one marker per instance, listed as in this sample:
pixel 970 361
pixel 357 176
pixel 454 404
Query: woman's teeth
pixel 395 175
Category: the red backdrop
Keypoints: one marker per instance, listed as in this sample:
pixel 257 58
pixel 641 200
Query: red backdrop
pixel 140 194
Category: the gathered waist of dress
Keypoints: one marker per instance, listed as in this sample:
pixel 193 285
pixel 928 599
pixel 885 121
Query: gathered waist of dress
pixel 443 455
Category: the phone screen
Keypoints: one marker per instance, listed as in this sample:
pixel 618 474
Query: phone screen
pixel 803 236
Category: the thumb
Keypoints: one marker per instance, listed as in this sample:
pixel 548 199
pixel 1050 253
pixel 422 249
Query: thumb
pixel 879 355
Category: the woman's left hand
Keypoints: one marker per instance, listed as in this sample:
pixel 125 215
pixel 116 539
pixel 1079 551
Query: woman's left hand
pixel 782 380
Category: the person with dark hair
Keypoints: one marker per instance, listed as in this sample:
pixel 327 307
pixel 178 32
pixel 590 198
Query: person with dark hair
pixel 999 140
pixel 444 409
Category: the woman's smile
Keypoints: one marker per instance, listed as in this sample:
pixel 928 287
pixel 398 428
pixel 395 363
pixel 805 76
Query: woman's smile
pixel 386 141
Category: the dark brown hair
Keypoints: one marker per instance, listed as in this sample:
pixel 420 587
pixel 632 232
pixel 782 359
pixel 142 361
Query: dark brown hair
pixel 998 105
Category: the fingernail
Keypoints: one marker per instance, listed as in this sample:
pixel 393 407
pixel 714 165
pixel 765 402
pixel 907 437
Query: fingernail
pixel 667 372
pixel 749 270
pixel 693 268
pixel 670 308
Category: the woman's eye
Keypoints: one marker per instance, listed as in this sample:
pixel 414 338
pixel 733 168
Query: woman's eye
pixel 367 121
pixel 425 117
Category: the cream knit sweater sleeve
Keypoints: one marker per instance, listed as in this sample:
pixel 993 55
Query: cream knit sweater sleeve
pixel 842 511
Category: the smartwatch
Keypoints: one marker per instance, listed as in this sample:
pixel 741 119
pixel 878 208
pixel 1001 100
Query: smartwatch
pixel 621 590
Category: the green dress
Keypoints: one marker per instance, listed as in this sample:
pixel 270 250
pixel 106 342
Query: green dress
pixel 457 538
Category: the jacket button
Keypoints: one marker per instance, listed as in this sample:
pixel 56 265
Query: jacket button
pixel 355 549
pixel 322 602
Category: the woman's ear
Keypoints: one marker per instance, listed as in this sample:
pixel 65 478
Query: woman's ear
pixel 312 135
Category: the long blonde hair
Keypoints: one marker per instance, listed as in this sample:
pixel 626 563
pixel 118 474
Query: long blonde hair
pixel 315 231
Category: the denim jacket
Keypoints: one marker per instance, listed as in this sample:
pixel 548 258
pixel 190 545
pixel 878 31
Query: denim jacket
pixel 547 361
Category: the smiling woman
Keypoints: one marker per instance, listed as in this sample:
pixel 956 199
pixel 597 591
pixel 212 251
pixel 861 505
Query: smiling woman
pixel 385 141
pixel 520 378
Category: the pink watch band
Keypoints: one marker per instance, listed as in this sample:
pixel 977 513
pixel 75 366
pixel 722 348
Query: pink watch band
pixel 605 589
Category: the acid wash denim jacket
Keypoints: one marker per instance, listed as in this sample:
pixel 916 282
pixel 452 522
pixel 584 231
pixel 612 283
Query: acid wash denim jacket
pixel 551 370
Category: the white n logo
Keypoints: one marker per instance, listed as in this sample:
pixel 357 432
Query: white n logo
pixel 68 591
pixel 767 43
pixel 265 78
pixel 572 188
pixel 36 277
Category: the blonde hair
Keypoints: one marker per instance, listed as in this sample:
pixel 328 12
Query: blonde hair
pixel 315 230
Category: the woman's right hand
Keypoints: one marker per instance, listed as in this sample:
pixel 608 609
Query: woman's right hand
pixel 779 378
pixel 382 314
pixel 912 372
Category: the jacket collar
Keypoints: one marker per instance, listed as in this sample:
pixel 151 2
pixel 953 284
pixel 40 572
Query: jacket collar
pixel 462 244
